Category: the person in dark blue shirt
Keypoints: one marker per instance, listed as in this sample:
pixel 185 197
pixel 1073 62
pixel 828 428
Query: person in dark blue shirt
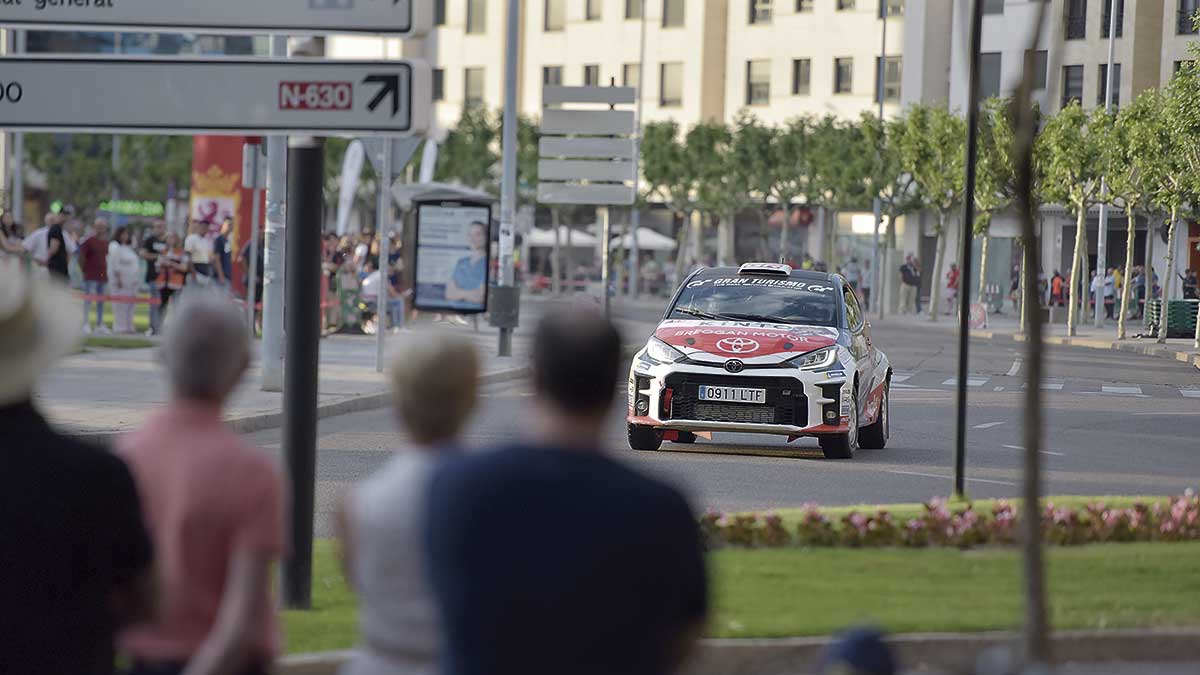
pixel 550 557
pixel 470 272
pixel 223 254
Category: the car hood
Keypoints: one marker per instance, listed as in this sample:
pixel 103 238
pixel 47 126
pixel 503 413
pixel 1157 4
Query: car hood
pixel 718 341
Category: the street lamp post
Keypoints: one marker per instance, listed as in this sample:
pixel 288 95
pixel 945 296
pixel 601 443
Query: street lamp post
pixel 635 219
pixel 1102 235
pixel 877 204
pixel 508 183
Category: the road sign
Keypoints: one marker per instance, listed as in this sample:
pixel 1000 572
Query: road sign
pixel 225 96
pixel 587 153
pixel 402 151
pixel 295 17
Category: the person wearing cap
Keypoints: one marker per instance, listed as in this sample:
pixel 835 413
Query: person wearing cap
pixel 75 556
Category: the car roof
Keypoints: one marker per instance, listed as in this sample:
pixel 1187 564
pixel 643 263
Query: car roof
pixel 806 275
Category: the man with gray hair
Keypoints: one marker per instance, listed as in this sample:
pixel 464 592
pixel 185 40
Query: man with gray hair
pixel 214 507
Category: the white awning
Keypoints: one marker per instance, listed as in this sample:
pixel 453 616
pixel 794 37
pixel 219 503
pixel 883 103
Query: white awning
pixel 648 240
pixel 544 238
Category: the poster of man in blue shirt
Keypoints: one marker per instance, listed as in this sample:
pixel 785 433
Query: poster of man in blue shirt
pixel 452 257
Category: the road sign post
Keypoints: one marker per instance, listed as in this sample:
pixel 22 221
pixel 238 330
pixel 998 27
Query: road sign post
pixel 258 96
pixel 297 17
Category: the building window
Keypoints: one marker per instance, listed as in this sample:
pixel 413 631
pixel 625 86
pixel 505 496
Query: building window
pixel 758 82
pixel 1106 18
pixel 760 11
pixel 801 76
pixel 1187 10
pixel 591 75
pixel 555 17
pixel 1076 19
pixel 993 6
pixel 476 17
pixel 1103 88
pixel 439 12
pixel 673 13
pixel 989 75
pixel 629 75
pixel 439 84
pixel 592 9
pixel 891 8
pixel 670 84
pixel 890 69
pixel 1039 62
pixel 843 75
pixel 1178 65
pixel 634 9
pixel 1072 84
pixel 803 6
pixel 843 5
pixel 552 75
pixel 473 87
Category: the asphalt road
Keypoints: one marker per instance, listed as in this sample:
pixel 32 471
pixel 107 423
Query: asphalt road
pixel 1115 423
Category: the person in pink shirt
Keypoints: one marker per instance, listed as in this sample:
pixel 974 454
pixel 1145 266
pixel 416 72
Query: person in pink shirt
pixel 214 507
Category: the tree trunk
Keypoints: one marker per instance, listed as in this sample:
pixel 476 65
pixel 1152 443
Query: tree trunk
pixel 936 285
pixel 1162 314
pixel 884 273
pixel 682 241
pixel 1080 242
pixel 1129 223
pixel 764 234
pixel 555 256
pixel 784 239
pixel 1148 268
pixel 983 261
pixel 1021 295
pixel 831 239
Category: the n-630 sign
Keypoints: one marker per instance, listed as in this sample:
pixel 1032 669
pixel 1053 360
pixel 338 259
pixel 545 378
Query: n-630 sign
pixel 11 92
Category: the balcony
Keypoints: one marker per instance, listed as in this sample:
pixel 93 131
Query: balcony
pixel 1076 27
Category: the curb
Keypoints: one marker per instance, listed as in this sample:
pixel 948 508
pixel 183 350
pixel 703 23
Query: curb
pixel 954 652
pixel 1154 350
pixel 260 422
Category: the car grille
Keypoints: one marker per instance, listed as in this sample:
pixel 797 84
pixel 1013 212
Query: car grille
pixel 785 402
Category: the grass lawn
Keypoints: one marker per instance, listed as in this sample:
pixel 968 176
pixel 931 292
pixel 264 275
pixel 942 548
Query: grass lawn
pixel 788 592
pixel 141 316
pixel 117 342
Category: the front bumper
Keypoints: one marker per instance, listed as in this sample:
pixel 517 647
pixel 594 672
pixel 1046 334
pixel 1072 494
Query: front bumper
pixel 798 402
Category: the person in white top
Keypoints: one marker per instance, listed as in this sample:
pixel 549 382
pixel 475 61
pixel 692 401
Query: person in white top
pixel 381 523
pixel 123 279
pixel 199 248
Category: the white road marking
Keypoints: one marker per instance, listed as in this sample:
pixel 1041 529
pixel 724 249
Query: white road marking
pixel 1041 452
pixel 987 425
pixel 900 377
pixel 1190 393
pixel 1125 391
pixel 971 381
pixel 904 386
pixel 934 475
pixel 1173 414
pixel 1053 385
pixel 1016 367
pixel 998 389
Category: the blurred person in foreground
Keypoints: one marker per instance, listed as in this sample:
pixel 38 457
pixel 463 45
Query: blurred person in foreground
pixel 213 504
pixel 380 522
pixel 859 651
pixel 547 556
pixel 75 558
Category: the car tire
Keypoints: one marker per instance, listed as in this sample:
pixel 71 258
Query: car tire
pixel 841 446
pixel 686 437
pixel 875 435
pixel 644 438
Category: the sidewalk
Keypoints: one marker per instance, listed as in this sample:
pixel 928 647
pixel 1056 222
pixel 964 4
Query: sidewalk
pixel 1007 327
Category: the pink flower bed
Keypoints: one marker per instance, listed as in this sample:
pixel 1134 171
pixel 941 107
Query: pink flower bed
pixel 962 527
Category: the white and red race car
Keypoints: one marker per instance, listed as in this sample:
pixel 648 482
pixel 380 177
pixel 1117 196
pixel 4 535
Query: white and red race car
pixel 761 349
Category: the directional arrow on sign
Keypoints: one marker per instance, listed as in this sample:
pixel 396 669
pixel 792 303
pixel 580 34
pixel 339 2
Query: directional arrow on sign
pixel 391 85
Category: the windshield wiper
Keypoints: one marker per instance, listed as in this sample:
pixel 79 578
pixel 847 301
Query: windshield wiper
pixel 704 315
pixel 761 318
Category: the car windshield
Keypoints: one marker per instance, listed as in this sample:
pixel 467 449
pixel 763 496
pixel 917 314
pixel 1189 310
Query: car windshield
pixel 761 299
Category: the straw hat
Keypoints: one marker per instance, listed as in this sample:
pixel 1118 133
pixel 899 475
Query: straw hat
pixel 39 323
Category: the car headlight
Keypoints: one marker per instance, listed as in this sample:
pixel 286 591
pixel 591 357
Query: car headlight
pixel 815 360
pixel 662 352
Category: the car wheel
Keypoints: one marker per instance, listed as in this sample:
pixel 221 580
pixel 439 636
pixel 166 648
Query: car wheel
pixel 686 437
pixel 875 436
pixel 841 446
pixel 644 438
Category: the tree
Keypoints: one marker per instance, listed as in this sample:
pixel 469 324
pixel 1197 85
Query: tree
pixel 840 159
pixel 754 161
pixel 895 187
pixel 933 149
pixel 1178 185
pixel 1127 166
pixel 470 154
pixel 793 155
pixel 669 178
pixel 995 175
pixel 1071 157
pixel 719 191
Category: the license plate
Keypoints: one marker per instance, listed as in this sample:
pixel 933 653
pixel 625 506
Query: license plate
pixel 732 394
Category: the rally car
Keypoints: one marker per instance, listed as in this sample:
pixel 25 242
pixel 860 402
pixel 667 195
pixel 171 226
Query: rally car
pixel 761 349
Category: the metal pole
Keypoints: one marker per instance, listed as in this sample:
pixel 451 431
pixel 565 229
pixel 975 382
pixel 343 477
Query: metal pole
pixel 384 228
pixel 635 220
pixel 605 255
pixel 18 153
pixel 255 213
pixel 877 203
pixel 508 185
pixel 273 251
pixel 306 158
pixel 960 445
pixel 1102 235
pixel 116 153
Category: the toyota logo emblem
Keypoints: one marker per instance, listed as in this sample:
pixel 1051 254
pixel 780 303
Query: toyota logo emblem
pixel 737 345
pixel 734 366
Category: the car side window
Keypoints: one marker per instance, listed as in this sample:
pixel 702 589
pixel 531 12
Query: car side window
pixel 854 318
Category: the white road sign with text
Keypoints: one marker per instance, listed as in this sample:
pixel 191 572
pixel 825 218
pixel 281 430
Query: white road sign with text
pixel 225 96
pixel 307 17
